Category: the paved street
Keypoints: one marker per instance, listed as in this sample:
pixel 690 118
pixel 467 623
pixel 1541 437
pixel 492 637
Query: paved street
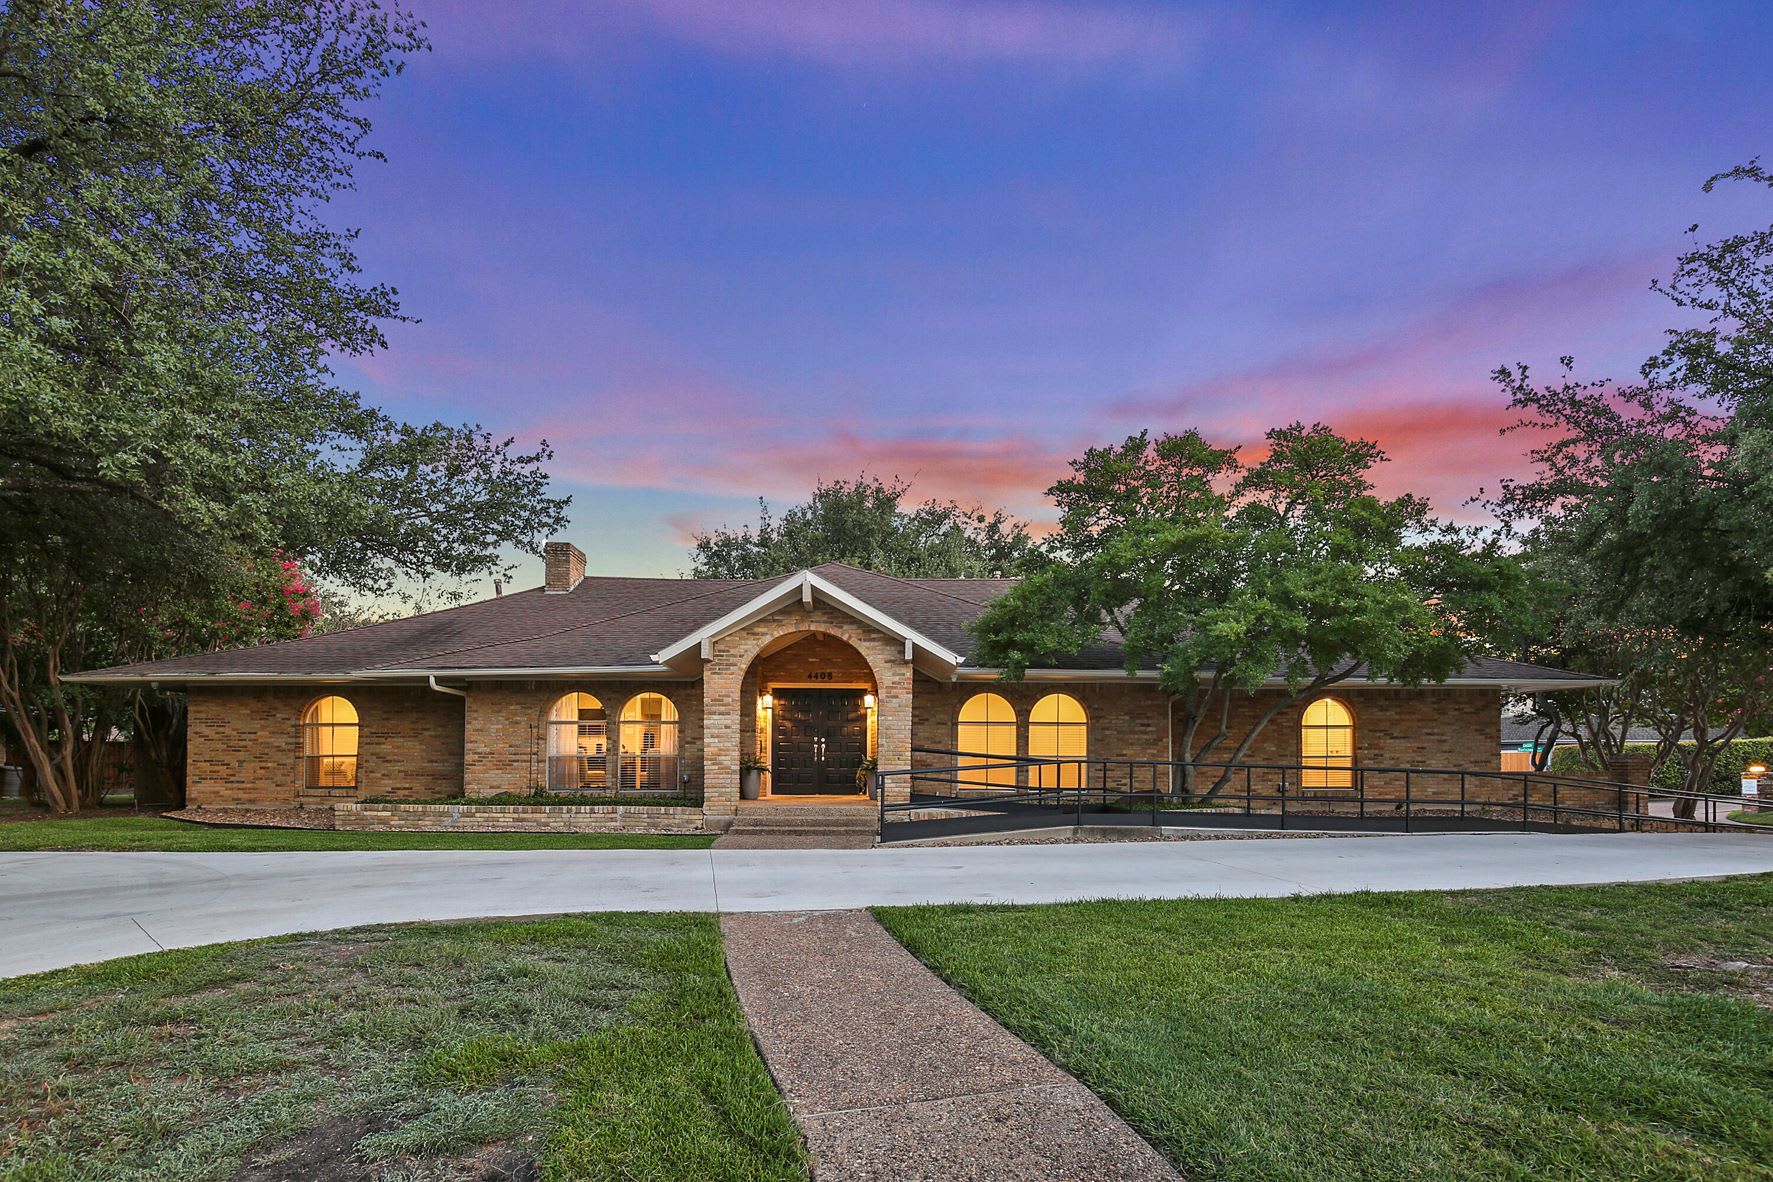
pixel 70 908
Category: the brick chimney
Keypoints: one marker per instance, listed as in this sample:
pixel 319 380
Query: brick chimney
pixel 566 565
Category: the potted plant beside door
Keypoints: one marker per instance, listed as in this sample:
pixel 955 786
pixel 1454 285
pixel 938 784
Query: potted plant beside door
pixel 751 772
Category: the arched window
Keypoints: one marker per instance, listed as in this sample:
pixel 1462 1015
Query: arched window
pixel 987 728
pixel 649 744
pixel 329 744
pixel 1326 745
pixel 578 745
pixel 1058 729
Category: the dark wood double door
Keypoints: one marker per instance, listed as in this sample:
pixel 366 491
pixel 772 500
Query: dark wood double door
pixel 820 742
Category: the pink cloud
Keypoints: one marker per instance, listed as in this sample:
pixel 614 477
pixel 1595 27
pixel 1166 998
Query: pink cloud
pixel 1447 351
pixel 1448 450
pixel 1011 471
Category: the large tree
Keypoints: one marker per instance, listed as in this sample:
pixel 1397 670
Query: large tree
pixel 170 296
pixel 1652 501
pixel 1230 576
pixel 865 522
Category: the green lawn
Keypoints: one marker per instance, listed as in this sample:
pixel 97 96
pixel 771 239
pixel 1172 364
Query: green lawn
pixel 1567 1033
pixel 158 833
pixel 601 1047
pixel 1753 818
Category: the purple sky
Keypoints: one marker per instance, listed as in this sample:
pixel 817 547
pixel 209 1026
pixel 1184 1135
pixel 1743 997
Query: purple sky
pixel 712 249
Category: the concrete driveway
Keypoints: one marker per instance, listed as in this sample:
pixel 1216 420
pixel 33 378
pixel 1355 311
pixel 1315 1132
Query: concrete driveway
pixel 70 908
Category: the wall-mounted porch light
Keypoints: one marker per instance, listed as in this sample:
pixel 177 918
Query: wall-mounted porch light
pixel 766 702
pixel 868 701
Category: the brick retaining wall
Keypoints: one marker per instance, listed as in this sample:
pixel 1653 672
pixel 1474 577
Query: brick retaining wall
pixel 518 818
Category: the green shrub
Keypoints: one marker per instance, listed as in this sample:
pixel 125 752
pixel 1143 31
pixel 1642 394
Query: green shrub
pixel 1726 776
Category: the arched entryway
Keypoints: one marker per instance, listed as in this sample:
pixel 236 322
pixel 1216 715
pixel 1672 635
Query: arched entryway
pixel 814 719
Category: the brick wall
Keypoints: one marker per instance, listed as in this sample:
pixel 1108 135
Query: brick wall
pixel 1427 727
pixel 521 818
pixel 245 744
pixel 507 729
pixel 731 685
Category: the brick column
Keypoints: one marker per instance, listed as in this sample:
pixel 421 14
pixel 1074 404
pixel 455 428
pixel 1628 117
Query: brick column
pixel 721 681
pixel 893 719
pixel 1632 768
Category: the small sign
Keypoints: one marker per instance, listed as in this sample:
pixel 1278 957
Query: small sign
pixel 1751 786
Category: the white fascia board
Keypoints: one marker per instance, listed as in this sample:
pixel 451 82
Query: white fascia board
pixel 212 678
pixel 977 673
pixel 394 676
pixel 1150 675
pixel 803 586
pixel 533 672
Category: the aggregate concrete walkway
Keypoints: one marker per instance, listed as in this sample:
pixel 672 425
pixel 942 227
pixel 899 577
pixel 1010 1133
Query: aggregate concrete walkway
pixel 68 908
pixel 894 1077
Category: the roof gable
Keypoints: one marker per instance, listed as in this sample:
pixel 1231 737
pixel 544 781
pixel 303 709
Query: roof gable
pixel 805 587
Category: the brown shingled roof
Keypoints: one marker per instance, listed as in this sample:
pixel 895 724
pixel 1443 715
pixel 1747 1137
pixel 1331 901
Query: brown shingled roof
pixel 619 623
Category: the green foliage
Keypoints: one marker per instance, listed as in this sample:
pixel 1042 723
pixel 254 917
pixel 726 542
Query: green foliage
pixel 865 523
pixel 603 1047
pixel 1226 575
pixel 1671 774
pixel 1518 1034
pixel 171 295
pixel 1646 519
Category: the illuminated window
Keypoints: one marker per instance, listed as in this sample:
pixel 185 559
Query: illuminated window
pixel 578 744
pixel 649 744
pixel 986 728
pixel 1058 729
pixel 1326 745
pixel 329 744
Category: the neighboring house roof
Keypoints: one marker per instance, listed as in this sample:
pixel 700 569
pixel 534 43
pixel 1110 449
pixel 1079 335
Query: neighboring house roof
pixel 1519 729
pixel 657 627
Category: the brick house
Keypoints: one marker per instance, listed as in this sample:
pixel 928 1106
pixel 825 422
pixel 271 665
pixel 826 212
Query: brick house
pixel 659 687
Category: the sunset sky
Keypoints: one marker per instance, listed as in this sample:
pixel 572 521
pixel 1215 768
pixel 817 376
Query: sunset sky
pixel 713 249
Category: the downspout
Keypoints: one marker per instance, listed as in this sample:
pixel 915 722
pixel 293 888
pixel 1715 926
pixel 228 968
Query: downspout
pixel 431 680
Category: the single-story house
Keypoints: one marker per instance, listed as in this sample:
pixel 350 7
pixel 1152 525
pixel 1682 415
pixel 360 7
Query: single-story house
pixel 638 686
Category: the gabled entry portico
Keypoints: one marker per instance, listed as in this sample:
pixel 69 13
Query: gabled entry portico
pixel 804 636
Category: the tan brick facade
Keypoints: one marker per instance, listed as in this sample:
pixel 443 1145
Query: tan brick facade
pixel 507 729
pixel 246 743
pixel 1426 727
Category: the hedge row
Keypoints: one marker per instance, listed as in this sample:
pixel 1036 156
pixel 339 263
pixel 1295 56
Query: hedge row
pixel 1726 775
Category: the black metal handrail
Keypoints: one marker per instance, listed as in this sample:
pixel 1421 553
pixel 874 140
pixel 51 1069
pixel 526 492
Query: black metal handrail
pixel 1402 794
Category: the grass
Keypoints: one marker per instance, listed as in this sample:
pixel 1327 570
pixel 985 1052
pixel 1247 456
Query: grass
pixel 1750 817
pixel 603 1047
pixel 1567 1033
pixel 158 833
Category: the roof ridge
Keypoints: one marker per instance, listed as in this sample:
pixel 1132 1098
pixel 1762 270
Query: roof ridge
pixel 468 648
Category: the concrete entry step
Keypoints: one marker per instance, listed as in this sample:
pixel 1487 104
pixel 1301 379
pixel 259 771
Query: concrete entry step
pixel 802 819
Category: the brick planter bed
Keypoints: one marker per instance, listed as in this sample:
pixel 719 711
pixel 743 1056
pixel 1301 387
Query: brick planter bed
pixel 518 818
